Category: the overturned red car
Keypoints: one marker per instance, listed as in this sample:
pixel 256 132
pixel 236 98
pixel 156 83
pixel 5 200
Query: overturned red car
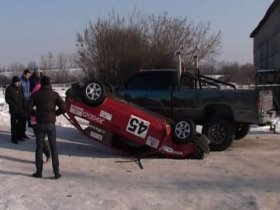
pixel 93 110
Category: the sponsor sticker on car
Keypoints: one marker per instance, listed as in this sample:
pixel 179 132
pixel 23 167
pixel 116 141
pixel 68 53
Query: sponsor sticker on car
pixel 93 118
pixel 137 126
pixel 96 135
pixel 76 110
pixel 153 142
pixel 105 115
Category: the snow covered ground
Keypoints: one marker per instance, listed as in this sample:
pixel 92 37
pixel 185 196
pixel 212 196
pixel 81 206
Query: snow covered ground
pixel 246 176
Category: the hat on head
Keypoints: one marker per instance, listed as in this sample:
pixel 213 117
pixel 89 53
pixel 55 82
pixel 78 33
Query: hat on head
pixel 15 79
pixel 36 69
pixel 45 81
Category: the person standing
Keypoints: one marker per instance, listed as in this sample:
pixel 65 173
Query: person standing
pixel 35 78
pixel 14 97
pixel 46 101
pixel 33 123
pixel 25 83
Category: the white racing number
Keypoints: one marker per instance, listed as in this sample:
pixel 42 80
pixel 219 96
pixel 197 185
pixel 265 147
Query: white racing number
pixel 137 126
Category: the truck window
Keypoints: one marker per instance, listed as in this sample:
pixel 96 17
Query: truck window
pixel 152 80
pixel 187 82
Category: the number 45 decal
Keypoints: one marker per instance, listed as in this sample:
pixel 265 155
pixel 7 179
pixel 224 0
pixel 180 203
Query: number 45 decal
pixel 137 126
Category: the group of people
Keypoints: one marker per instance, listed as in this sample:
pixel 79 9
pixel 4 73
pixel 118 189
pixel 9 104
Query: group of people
pixel 32 101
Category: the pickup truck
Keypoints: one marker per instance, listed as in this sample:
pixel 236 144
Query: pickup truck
pixel 224 112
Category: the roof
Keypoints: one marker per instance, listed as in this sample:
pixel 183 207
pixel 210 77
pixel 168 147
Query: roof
pixel 272 7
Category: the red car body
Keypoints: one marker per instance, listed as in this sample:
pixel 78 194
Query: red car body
pixel 115 120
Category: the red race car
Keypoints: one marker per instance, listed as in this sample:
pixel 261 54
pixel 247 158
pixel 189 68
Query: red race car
pixel 124 126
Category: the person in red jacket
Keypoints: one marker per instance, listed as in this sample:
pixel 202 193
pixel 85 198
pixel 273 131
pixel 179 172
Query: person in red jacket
pixel 46 101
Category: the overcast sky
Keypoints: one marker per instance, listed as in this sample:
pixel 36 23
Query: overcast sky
pixel 32 28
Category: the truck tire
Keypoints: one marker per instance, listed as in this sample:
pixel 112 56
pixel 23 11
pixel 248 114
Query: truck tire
pixel 183 130
pixel 108 88
pixel 220 133
pixel 93 93
pixel 241 130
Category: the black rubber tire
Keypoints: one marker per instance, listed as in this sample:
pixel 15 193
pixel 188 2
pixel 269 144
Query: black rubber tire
pixel 109 88
pixel 241 130
pixel 183 130
pixel 220 132
pixel 202 142
pixel 93 93
pixel 198 154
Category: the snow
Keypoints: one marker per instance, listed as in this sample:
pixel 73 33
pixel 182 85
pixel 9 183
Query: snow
pixel 246 176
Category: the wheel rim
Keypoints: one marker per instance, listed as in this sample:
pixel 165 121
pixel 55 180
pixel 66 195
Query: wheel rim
pixel 182 130
pixel 217 133
pixel 93 91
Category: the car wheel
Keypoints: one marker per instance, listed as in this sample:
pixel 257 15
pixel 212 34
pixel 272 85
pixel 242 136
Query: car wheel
pixel 220 133
pixel 183 130
pixel 93 93
pixel 241 130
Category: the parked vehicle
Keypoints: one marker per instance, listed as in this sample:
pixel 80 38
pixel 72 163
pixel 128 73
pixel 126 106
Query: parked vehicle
pixel 124 126
pixel 191 99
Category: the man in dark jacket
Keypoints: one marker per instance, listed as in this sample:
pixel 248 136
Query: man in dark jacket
pixel 45 101
pixel 15 98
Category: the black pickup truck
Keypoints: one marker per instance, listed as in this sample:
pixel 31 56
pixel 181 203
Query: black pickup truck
pixel 191 99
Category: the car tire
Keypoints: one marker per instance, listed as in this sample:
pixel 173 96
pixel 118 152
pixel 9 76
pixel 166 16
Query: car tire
pixel 183 130
pixel 220 133
pixel 93 93
pixel 241 130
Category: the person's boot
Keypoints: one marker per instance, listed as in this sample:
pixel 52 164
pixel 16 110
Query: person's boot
pixel 37 174
pixel 57 175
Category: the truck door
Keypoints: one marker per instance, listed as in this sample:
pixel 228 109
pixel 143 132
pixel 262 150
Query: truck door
pixel 150 90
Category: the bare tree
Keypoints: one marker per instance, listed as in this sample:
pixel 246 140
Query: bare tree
pixel 47 61
pixel 241 74
pixel 115 47
pixel 32 65
pixel 16 68
pixel 61 61
pixel 74 60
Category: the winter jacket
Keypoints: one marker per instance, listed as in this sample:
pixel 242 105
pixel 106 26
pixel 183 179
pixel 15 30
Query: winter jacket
pixel 26 87
pixel 15 98
pixel 33 81
pixel 46 101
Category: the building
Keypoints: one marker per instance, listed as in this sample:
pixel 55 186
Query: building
pixel 267 51
pixel 267 39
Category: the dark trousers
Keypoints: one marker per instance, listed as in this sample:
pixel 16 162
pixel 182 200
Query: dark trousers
pixel 46 150
pixel 44 129
pixel 17 120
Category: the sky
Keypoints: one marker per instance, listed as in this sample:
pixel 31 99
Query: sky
pixel 32 28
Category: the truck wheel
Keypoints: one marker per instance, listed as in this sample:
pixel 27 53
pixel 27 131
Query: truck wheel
pixel 220 133
pixel 241 130
pixel 93 93
pixel 108 87
pixel 183 130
